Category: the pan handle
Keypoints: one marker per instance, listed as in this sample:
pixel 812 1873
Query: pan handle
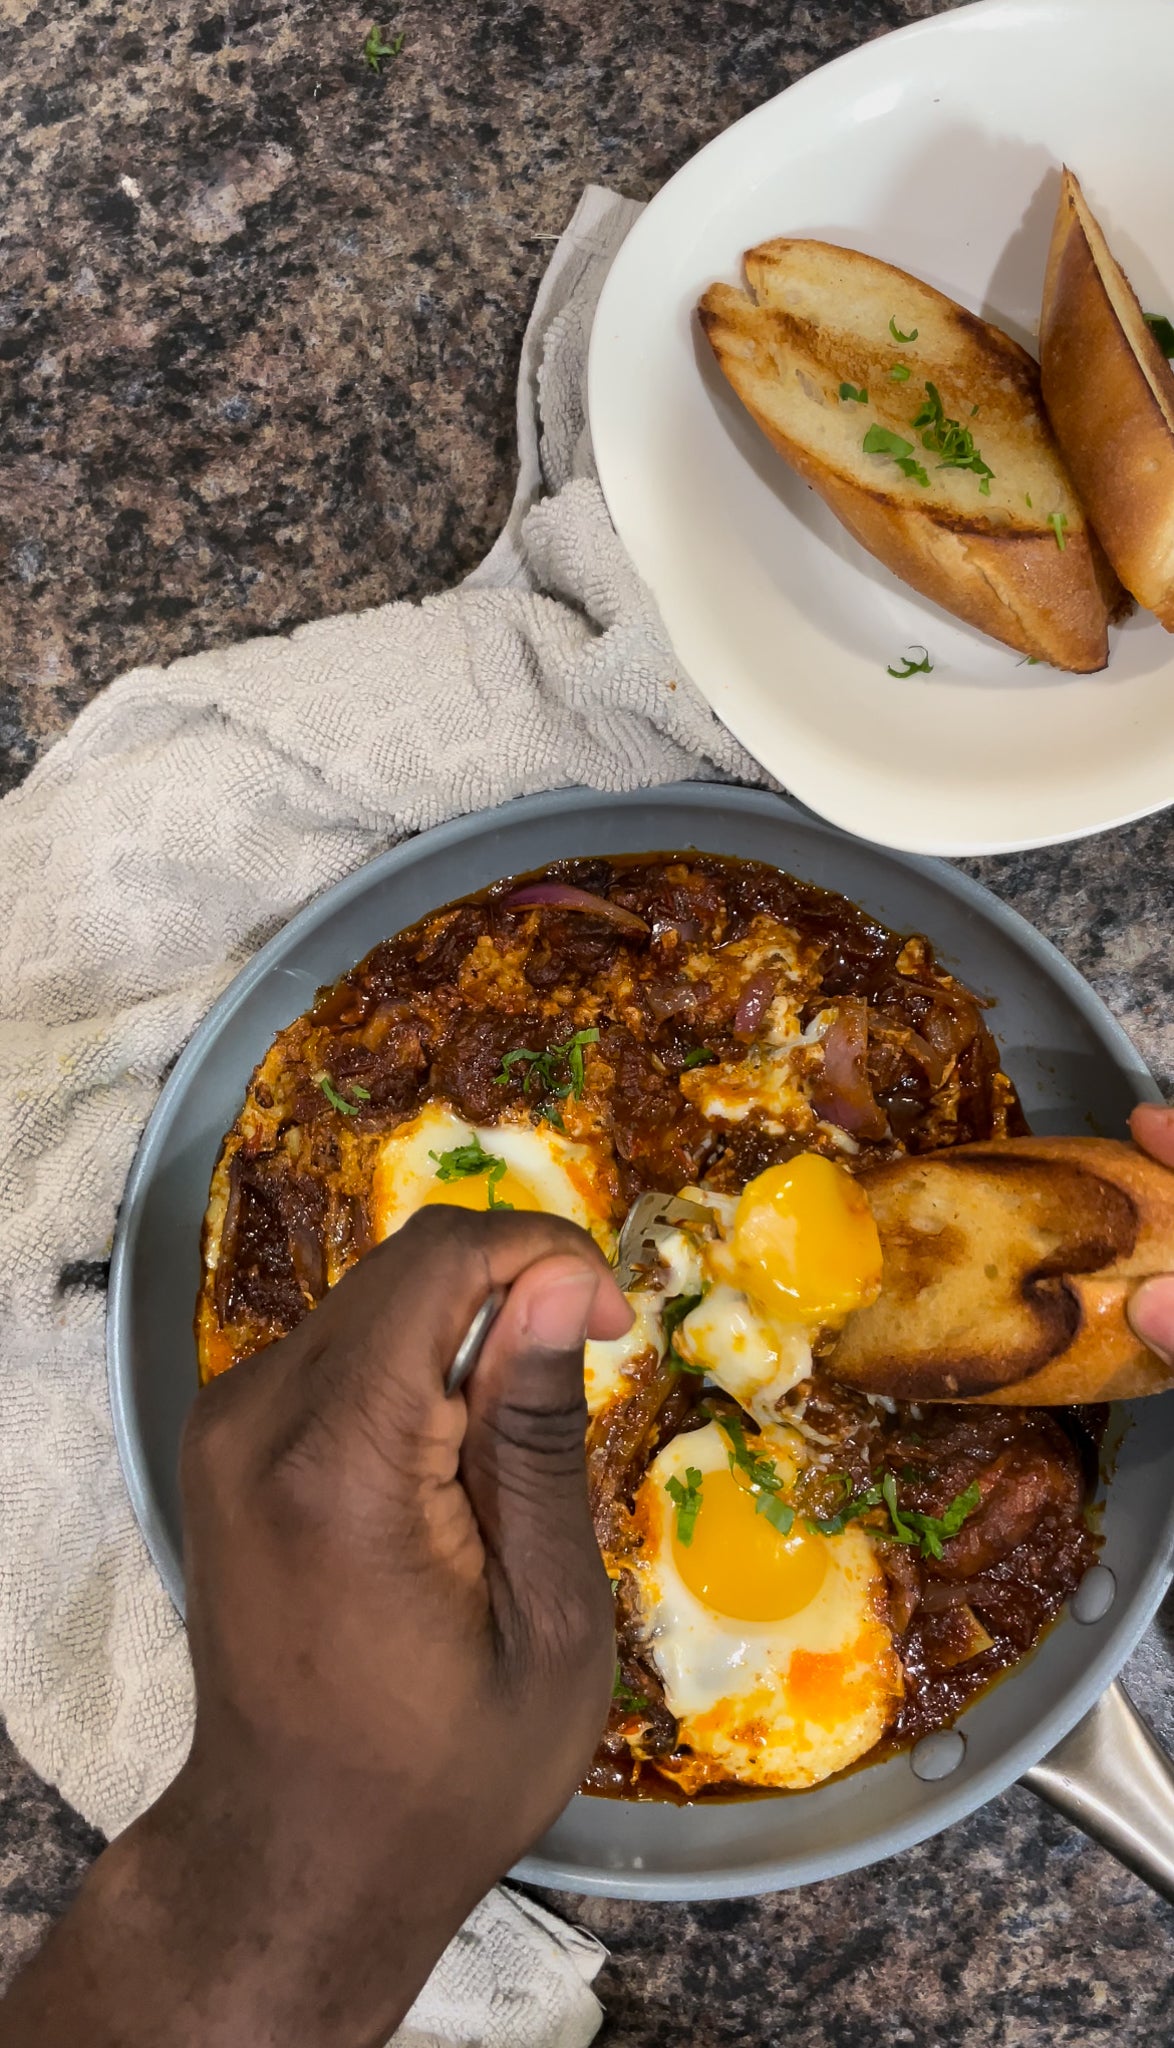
pixel 1112 1777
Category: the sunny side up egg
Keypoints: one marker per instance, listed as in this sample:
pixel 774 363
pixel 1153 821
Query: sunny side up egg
pixel 772 1644
pixel 791 1257
pixel 438 1157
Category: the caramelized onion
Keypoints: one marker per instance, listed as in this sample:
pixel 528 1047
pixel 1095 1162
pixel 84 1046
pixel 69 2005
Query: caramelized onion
pixel 753 1004
pixel 842 1094
pixel 561 896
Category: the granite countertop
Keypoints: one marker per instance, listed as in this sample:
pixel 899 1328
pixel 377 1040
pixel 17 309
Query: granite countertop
pixel 260 312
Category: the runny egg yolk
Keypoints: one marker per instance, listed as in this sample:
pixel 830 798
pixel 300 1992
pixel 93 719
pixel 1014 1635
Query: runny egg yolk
pixel 804 1245
pixel 738 1563
pixel 510 1190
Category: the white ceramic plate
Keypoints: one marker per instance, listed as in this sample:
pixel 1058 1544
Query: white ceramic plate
pixel 937 148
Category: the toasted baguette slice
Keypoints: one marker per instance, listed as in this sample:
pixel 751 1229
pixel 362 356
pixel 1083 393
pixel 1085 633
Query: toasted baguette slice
pixel 1110 395
pixel 1007 1269
pixel 817 317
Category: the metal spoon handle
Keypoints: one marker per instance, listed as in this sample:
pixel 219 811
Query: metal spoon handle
pixel 1112 1777
pixel 469 1348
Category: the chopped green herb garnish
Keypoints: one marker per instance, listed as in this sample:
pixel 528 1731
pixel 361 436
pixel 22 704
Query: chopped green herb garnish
pixel 974 412
pixel 1162 332
pixel 465 1160
pixel 1029 661
pixel 909 667
pixel 375 49
pixel 929 1532
pixel 900 373
pixel 857 395
pixel 687 1501
pixel 906 1525
pixel 1058 521
pixel 763 1474
pixel 897 335
pixel 779 1513
pixel 542 1068
pixel 339 1102
pixel 623 1694
pixel 880 441
pixel 673 1316
pixel 1027 500
pixel 697 1056
pixel 835 1524
pixel 950 439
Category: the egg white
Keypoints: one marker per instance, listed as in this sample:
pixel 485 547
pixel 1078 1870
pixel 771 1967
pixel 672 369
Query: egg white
pixel 776 1703
pixel 562 1178
pixel 607 1365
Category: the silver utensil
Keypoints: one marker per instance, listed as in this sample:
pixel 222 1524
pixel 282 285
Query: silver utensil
pixel 470 1347
pixel 637 1256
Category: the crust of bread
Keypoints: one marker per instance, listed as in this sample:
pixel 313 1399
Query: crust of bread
pixel 1109 392
pixel 1008 1268
pixel 812 320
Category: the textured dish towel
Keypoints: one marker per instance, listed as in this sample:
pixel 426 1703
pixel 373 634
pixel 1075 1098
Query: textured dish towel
pixel 185 817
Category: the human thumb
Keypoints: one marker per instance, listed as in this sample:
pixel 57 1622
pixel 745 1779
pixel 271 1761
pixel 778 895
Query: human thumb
pixel 1151 1315
pixel 523 1463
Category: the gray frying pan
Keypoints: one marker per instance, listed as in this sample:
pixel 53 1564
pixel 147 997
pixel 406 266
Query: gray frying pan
pixel 1058 1721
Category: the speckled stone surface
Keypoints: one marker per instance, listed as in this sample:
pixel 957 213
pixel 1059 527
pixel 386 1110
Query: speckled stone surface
pixel 259 320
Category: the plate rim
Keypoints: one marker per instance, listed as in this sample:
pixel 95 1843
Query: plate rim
pixel 951 21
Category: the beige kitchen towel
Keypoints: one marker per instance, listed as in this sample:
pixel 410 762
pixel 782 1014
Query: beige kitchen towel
pixel 187 814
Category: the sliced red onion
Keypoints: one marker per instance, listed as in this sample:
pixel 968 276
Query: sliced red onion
pixel 842 1094
pixel 753 1004
pixel 561 896
pixel 672 998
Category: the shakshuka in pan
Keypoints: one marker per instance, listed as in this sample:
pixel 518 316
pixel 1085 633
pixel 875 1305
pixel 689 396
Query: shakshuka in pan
pixel 804 1576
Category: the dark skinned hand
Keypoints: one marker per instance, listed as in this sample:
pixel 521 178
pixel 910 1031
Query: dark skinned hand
pixel 401 1633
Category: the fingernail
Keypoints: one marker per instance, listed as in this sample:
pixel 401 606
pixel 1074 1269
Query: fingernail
pixel 1151 1316
pixel 558 1314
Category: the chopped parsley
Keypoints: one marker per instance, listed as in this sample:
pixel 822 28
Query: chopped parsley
pixel 1058 521
pixel 1027 500
pixel 687 1501
pixel 849 1510
pixel 542 1069
pixel 950 439
pixel 375 49
pixel 857 395
pixel 880 441
pixel 323 1081
pixel 464 1160
pixel 897 335
pixel 900 373
pixel 698 1056
pixel 928 1532
pixel 763 1475
pixel 673 1316
pixel 623 1696
pixel 906 1525
pixel 909 667
pixel 1162 331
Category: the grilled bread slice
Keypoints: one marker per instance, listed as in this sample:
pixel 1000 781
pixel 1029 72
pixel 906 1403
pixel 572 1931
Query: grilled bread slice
pixel 1110 395
pixel 973 506
pixel 1007 1270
